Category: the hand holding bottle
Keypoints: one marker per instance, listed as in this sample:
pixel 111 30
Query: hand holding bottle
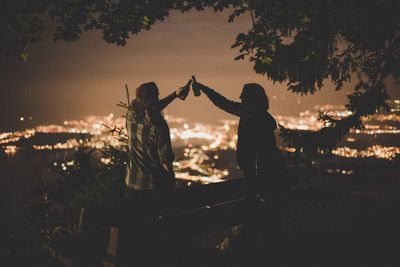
pixel 183 92
pixel 197 87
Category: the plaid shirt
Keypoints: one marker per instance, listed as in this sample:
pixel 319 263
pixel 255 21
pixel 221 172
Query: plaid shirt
pixel 149 148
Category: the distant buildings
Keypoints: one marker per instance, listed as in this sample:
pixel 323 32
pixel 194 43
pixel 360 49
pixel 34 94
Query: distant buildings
pixel 198 139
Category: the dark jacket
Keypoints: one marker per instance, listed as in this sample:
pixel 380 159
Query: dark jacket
pixel 255 130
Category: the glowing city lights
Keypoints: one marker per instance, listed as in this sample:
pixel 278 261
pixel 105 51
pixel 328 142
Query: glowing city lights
pixel 202 143
pixel 10 149
pixel 376 151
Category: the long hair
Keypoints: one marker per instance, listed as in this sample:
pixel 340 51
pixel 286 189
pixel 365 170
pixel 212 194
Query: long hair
pixel 255 97
pixel 147 101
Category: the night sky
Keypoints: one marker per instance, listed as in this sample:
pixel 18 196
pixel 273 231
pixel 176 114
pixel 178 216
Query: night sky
pixel 87 77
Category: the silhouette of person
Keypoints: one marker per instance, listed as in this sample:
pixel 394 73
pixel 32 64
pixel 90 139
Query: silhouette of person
pixel 150 157
pixel 257 152
pixel 256 146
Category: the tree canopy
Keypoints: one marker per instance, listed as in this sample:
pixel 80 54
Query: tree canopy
pixel 301 43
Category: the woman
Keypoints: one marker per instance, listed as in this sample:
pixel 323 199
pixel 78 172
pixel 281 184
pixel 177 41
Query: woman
pixel 150 157
pixel 257 153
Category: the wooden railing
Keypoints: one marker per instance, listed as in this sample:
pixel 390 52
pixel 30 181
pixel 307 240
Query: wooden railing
pixel 108 229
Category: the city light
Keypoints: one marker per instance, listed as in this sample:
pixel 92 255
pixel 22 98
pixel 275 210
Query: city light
pixel 10 149
pixel 201 140
pixel 376 151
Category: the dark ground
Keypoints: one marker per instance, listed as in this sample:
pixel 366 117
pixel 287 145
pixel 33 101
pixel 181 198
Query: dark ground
pixel 340 221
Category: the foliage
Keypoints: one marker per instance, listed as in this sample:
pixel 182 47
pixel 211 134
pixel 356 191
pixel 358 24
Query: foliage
pixel 305 43
pixel 302 43
pixel 85 181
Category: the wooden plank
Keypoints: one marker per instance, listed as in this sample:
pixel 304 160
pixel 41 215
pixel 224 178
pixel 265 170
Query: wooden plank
pixel 153 205
pixel 113 242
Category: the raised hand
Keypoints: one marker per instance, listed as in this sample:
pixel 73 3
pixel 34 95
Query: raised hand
pixel 197 87
pixel 183 92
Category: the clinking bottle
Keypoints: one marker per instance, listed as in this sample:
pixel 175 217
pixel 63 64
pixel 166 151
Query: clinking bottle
pixel 196 90
pixel 184 93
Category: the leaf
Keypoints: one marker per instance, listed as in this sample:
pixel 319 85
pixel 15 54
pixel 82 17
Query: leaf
pixel 24 56
pixel 306 19
pixel 266 61
pixel 273 48
pixel 240 57
pixel 145 21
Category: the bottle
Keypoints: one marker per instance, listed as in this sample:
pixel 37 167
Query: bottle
pixel 185 90
pixel 196 90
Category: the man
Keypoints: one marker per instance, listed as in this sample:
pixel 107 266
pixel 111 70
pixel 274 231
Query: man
pixel 150 157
